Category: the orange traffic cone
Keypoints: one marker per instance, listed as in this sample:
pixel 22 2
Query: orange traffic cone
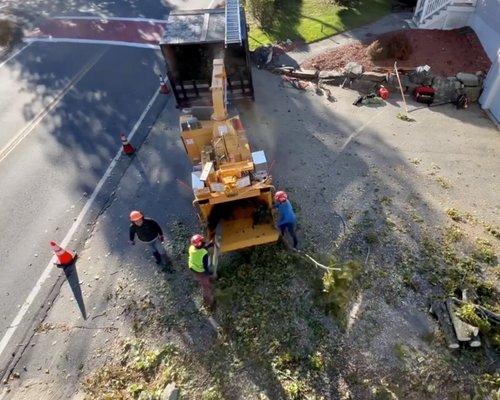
pixel 163 85
pixel 64 256
pixel 128 149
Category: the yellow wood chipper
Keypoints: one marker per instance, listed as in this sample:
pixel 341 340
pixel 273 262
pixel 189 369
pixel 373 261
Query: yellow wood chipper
pixel 232 187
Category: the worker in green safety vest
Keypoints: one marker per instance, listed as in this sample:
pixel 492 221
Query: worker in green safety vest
pixel 199 264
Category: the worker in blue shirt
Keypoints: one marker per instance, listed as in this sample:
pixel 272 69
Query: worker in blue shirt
pixel 286 216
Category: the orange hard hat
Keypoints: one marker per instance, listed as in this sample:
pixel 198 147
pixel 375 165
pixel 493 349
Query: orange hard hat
pixel 281 196
pixel 136 216
pixel 197 240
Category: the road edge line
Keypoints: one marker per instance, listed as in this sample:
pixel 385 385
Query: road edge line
pixel 92 41
pixel 50 266
pixel 14 55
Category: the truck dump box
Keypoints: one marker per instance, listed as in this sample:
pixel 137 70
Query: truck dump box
pixel 194 38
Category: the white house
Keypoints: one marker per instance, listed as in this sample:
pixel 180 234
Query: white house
pixel 481 15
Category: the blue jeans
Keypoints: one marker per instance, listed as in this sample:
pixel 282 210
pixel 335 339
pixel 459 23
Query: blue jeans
pixel 290 227
pixel 159 251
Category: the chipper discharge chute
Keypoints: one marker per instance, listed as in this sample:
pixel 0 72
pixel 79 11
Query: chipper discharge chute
pixel 231 185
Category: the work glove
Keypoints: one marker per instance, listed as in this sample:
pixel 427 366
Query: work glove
pixel 162 238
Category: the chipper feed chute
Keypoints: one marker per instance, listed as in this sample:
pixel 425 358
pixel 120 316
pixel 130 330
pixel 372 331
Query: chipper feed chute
pixel 240 232
pixel 245 222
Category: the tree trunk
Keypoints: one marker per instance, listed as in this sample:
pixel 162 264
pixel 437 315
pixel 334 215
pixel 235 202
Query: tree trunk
pixel 476 341
pixel 463 330
pixel 439 308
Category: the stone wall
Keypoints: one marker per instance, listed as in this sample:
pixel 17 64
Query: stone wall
pixel 352 76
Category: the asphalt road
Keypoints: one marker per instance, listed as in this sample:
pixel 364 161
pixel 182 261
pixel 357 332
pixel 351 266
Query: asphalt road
pixel 62 107
pixel 47 178
pixel 31 10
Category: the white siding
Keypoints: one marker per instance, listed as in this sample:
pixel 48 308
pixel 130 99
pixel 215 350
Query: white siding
pixel 490 99
pixel 486 23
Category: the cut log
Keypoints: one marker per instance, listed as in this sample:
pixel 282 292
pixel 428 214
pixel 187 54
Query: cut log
pixel 476 341
pixel 439 309
pixel 305 74
pixel 463 330
pixel 283 70
pixel 334 74
pixel 390 69
pixel 170 392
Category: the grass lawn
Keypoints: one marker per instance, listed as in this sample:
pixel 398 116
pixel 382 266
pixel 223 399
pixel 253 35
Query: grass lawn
pixel 313 20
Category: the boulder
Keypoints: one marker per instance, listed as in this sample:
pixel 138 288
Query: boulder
pixel 332 77
pixel 411 87
pixel 363 86
pixel 283 70
pixel 170 392
pixel 373 76
pixel 455 82
pixel 331 74
pixel 472 92
pixel 470 80
pixel 305 74
pixel 353 69
pixel 405 80
pixel 446 89
pixel 392 80
pixel 421 75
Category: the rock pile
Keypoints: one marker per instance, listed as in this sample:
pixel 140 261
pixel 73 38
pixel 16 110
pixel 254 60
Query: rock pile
pixel 447 89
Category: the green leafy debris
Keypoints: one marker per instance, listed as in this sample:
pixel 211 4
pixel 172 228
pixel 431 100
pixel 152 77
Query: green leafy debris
pixel 484 252
pixel 338 288
pixel 468 314
pixel 139 372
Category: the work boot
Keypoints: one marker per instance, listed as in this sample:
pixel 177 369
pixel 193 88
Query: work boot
pixel 157 257
pixel 168 268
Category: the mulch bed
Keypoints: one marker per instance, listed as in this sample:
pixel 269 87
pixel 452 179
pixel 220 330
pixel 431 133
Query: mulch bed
pixel 446 52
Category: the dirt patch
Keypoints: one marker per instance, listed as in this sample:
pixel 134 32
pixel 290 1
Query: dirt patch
pixel 339 57
pixel 447 52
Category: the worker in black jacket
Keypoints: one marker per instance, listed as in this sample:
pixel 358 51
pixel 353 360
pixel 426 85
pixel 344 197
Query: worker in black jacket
pixel 148 231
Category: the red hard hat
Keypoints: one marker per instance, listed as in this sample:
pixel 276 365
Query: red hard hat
pixel 197 240
pixel 136 216
pixel 280 196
